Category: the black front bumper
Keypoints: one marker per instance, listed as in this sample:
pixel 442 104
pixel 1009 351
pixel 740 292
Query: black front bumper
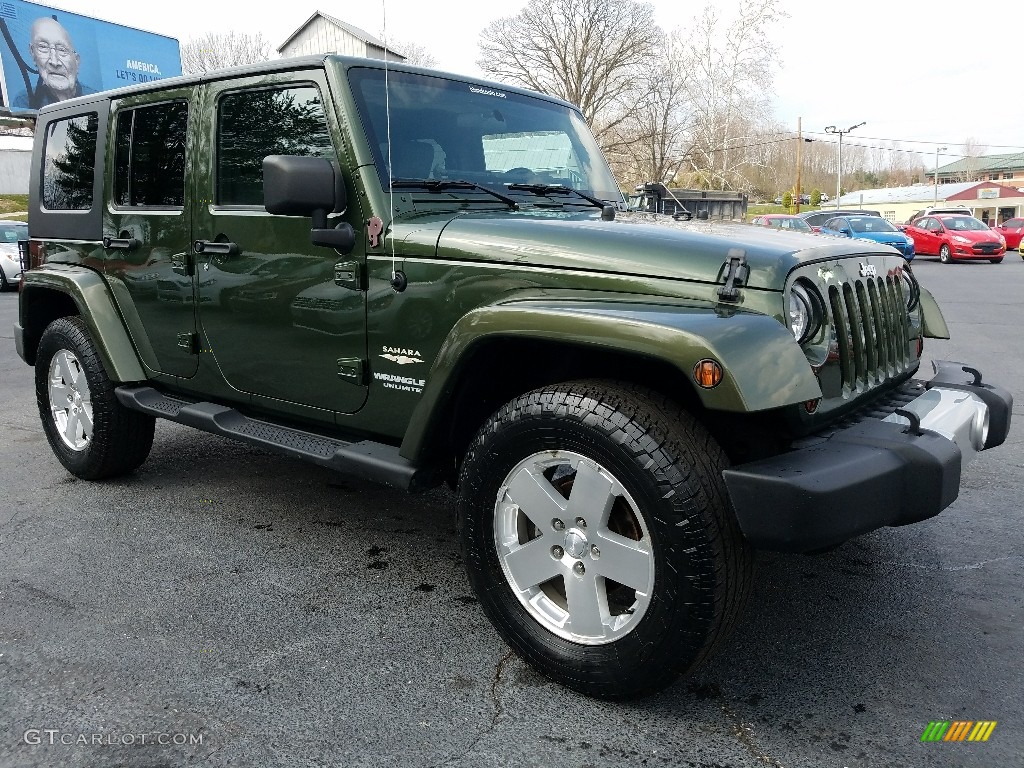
pixel 854 480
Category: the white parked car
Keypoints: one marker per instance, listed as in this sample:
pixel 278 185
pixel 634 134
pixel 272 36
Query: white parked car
pixel 10 260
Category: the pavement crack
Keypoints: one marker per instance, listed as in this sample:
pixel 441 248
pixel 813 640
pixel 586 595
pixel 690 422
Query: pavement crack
pixel 497 706
pixel 967 567
pixel 745 736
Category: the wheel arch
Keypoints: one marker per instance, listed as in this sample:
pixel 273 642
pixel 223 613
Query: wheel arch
pixel 58 290
pixel 498 352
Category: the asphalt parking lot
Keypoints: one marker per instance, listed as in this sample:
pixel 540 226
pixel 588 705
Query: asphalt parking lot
pixel 270 613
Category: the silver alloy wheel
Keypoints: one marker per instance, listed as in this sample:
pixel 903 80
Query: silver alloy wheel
pixel 574 547
pixel 70 400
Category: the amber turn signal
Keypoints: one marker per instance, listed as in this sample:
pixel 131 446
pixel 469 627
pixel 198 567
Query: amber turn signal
pixel 707 373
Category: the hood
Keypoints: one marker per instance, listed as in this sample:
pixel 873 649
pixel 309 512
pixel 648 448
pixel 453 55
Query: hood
pixel 977 235
pixel 643 244
pixel 882 237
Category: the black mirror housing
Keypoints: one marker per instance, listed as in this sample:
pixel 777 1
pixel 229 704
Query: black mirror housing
pixel 301 186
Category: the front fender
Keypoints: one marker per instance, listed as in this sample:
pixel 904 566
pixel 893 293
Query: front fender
pixel 92 297
pixel 764 367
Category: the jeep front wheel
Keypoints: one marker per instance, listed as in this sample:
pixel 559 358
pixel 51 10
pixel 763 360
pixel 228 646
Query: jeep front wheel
pixel 90 432
pixel 598 537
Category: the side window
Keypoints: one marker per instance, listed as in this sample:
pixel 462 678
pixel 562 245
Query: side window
pixel 256 123
pixel 149 156
pixel 69 163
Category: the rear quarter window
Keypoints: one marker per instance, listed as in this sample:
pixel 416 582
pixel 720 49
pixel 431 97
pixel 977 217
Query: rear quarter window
pixel 69 163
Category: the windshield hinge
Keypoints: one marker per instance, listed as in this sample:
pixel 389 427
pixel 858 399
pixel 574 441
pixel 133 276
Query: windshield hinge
pixel 736 272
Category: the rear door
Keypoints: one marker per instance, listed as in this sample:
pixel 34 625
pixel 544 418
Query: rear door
pixel 147 227
pixel 273 314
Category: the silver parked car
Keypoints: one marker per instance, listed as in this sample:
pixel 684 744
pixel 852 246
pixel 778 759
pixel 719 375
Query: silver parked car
pixel 10 259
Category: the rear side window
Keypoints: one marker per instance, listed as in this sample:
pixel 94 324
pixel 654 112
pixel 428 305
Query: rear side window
pixel 149 156
pixel 254 124
pixel 69 163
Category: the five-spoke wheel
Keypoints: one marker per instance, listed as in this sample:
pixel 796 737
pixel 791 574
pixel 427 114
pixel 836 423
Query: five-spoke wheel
pixel 598 537
pixel 90 432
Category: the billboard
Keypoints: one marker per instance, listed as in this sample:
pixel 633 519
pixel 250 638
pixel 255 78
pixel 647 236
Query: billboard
pixel 49 55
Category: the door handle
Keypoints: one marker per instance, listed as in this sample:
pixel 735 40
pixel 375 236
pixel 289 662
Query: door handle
pixel 120 243
pixel 216 248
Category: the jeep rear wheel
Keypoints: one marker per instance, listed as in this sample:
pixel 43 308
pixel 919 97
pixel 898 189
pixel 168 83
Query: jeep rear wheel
pixel 90 432
pixel 598 536
pixel 945 255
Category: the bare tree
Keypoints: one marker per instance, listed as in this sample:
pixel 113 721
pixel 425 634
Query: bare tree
pixel 588 52
pixel 414 53
pixel 219 50
pixel 730 68
pixel 973 150
pixel 651 141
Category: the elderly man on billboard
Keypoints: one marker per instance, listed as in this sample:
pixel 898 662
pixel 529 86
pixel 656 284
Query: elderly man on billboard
pixel 57 62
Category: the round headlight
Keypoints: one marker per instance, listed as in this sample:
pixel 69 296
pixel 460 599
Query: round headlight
pixel 805 313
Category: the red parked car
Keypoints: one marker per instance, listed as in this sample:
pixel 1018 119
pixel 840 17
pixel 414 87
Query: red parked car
pixel 952 237
pixel 1012 231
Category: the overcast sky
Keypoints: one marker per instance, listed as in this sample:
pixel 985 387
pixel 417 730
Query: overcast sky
pixel 913 71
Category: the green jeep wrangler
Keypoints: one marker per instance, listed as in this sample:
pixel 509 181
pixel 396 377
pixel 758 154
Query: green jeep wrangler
pixel 418 278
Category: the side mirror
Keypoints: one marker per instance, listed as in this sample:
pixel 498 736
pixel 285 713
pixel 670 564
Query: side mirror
pixel 308 186
pixel 845 232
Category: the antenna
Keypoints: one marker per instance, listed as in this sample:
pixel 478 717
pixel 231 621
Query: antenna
pixel 387 112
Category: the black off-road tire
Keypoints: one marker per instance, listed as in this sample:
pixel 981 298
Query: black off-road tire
pixel 119 439
pixel 671 468
pixel 945 254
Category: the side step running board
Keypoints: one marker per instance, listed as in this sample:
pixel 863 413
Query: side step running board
pixel 365 459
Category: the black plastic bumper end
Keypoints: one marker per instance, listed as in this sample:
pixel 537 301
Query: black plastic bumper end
pixel 866 477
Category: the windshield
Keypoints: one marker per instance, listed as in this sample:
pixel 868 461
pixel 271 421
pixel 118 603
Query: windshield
pixel 794 224
pixel 870 224
pixel 11 233
pixel 450 130
pixel 963 223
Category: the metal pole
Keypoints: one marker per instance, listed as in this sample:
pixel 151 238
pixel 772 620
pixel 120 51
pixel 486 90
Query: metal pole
pixel 799 144
pixel 839 170
pixel 935 195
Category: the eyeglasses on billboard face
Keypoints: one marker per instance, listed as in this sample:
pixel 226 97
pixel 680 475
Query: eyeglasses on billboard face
pixel 43 49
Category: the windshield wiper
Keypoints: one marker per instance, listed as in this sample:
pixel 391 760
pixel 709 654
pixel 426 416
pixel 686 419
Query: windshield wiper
pixel 543 189
pixel 438 185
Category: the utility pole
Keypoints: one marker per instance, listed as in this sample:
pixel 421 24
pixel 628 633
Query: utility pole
pixel 935 195
pixel 799 144
pixel 839 170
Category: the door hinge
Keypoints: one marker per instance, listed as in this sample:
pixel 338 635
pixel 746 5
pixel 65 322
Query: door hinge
pixel 190 342
pixel 182 264
pixel 347 275
pixel 351 369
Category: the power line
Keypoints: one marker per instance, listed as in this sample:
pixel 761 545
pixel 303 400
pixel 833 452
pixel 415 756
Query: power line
pixel 925 141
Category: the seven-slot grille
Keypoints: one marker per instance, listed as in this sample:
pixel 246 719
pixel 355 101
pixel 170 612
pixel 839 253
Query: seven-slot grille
pixel 870 320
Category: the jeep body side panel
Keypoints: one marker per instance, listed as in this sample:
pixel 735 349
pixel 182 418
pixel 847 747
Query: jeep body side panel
pixel 764 368
pixel 95 304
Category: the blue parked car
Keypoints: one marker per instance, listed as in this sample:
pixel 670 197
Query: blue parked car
pixel 870 228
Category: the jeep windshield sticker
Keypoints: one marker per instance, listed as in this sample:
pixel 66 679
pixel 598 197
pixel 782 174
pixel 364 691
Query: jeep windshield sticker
pixel 486 91
pixel 402 383
pixel 401 355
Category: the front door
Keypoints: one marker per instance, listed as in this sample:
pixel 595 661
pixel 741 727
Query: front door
pixel 272 313
pixel 147 228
